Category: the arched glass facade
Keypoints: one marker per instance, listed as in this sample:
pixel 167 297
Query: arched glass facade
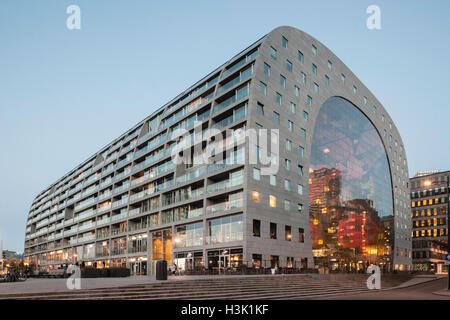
pixel 351 202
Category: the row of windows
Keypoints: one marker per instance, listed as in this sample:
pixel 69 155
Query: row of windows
pixel 428 202
pixel 429 222
pixel 256 196
pixel 428 192
pixel 429 212
pixel 430 233
pixel 273 231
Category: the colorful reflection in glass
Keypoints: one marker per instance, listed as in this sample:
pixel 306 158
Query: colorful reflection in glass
pixel 351 204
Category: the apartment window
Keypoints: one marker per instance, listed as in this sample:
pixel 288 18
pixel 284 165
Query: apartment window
pixel 258 126
pixel 316 88
pixel 314 50
pixel 301 151
pixel 282 81
pixel 287 205
pixel 342 78
pixel 296 91
pixel 300 189
pixel 288 65
pixel 300 208
pixel 365 100
pixel 354 90
pixel 309 101
pixel 266 69
pixel 278 98
pixel 303 77
pixel 255 196
pixel 272 201
pixel 256 228
pixel 300 170
pixel 260 108
pixel 263 88
pixel 288 145
pixel 276 117
pixel 287 232
pixel 305 115
pixel 301 235
pixel 273 230
pixel 329 65
pixel 384 132
pixel 314 69
pixel 290 126
pixel 303 133
pixel 284 41
pixel 287 185
pixel 374 110
pixel 287 164
pixel 273 53
pixel 327 80
pixel 273 180
pixel 300 56
pixel 256 174
pixel 293 107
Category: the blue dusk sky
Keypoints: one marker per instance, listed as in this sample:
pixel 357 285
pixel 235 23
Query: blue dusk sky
pixel 64 93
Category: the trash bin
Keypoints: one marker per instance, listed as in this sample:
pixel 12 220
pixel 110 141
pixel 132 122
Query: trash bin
pixel 161 270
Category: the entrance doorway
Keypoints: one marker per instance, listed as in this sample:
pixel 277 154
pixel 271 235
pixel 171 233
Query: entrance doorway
pixel 138 267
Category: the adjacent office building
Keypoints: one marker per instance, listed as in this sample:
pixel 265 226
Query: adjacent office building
pixel 183 184
pixel 429 205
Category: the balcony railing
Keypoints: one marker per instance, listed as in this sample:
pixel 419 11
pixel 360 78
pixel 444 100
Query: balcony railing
pixel 225 237
pixel 225 206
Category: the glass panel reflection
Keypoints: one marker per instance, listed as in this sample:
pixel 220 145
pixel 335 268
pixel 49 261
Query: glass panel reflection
pixel 351 203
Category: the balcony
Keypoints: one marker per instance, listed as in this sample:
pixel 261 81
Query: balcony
pixel 191 175
pixel 224 185
pixel 119 217
pixel 103 221
pixel 225 206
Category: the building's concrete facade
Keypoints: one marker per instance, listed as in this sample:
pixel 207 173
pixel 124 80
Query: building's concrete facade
pixel 54 209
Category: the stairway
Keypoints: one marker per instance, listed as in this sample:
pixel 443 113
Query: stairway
pixel 236 288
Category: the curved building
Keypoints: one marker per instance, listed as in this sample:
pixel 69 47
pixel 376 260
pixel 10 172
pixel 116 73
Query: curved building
pixel 279 157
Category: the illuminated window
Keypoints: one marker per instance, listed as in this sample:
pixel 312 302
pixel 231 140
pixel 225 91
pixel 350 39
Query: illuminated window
pixel 288 233
pixel 272 201
pixel 255 196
